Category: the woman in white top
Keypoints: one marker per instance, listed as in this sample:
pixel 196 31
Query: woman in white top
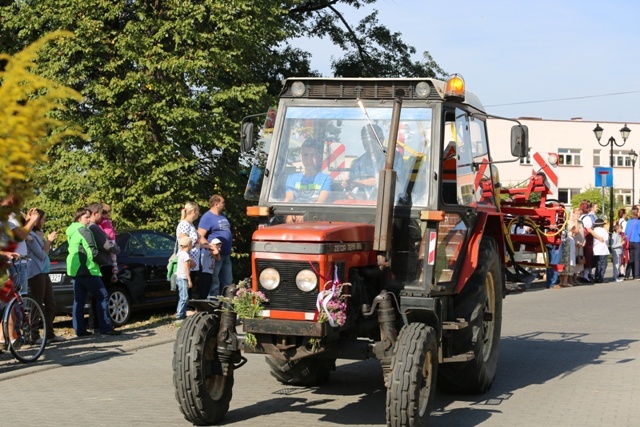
pixel 622 218
pixel 189 214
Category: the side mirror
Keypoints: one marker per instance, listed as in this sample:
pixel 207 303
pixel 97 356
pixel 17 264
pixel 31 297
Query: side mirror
pixel 519 141
pixel 246 136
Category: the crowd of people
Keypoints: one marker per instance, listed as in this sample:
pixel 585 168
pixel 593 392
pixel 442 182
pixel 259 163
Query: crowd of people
pixel 92 251
pixel 204 253
pixel 587 245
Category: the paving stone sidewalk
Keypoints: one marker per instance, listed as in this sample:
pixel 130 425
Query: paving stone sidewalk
pixel 80 349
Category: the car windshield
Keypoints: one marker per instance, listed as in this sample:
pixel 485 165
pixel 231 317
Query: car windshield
pixel 333 155
pixel 60 252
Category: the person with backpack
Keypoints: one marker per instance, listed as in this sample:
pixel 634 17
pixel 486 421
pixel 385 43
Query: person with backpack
pixel 189 214
pixel 184 280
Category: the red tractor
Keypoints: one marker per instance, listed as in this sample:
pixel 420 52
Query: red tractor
pixel 380 235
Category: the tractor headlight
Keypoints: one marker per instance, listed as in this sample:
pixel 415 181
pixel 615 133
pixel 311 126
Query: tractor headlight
pixel 269 278
pixel 306 280
pixel 298 89
pixel 423 89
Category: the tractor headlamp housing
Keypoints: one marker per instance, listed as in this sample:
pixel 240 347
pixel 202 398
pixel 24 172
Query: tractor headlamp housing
pixel 269 278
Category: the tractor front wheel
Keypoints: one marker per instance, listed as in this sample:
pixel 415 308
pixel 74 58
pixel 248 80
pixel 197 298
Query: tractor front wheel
pixel 412 380
pixel 202 388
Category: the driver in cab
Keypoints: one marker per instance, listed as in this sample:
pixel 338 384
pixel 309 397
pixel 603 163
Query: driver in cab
pixel 310 185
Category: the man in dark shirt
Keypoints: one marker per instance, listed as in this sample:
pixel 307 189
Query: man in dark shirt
pixel 364 172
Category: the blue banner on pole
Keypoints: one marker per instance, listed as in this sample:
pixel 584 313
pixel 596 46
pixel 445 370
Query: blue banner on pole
pixel 604 177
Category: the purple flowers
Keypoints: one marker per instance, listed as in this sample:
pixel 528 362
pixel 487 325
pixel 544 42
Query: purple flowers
pixel 332 305
pixel 246 303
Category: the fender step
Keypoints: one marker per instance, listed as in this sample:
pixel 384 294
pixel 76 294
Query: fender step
pixel 465 357
pixel 455 325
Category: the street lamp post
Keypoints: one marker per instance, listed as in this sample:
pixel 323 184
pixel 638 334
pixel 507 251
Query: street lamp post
pixel 624 133
pixel 634 157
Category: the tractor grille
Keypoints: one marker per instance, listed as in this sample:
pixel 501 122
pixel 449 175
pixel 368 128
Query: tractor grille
pixel 287 296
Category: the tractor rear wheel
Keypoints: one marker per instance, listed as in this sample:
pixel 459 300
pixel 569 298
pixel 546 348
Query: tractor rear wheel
pixel 412 380
pixel 202 390
pixel 480 303
pixel 310 371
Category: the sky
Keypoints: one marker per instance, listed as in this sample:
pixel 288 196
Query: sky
pixel 555 60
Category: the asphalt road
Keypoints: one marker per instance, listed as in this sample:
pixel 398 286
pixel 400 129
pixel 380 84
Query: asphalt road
pixel 569 357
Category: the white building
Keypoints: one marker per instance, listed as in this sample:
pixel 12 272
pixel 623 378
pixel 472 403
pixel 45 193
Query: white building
pixel 579 154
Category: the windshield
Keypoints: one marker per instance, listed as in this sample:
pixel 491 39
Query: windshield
pixel 333 155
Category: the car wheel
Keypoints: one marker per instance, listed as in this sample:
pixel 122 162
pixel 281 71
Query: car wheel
pixel 119 306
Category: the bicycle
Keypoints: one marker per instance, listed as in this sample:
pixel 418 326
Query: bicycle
pixel 23 322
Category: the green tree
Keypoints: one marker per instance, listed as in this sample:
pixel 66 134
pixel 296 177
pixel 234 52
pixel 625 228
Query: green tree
pixel 370 49
pixel 165 85
pixel 594 195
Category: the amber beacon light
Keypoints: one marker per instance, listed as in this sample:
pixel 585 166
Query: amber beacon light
pixel 455 87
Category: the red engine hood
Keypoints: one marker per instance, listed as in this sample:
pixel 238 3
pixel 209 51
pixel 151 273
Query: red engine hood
pixel 316 232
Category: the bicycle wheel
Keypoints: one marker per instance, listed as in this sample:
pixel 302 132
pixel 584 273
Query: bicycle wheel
pixel 25 324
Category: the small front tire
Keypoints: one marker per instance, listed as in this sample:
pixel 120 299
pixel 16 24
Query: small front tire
pixel 202 390
pixel 412 380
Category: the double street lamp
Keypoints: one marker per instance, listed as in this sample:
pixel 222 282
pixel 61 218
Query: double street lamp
pixel 624 132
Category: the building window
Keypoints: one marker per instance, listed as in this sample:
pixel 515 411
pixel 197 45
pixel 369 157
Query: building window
pixel 623 196
pixel 565 195
pixel 569 156
pixel 621 158
pixel 526 160
pixel 596 158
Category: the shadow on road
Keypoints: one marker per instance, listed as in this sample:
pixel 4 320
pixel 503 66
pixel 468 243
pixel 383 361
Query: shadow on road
pixel 89 349
pixel 363 379
pixel 525 360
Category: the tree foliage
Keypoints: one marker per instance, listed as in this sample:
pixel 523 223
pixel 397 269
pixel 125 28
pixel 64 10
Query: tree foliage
pixel 165 84
pixel 26 123
pixel 594 195
pixel 27 127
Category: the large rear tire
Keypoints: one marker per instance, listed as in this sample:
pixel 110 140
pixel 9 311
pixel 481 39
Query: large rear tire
pixel 202 391
pixel 412 380
pixel 309 372
pixel 480 303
